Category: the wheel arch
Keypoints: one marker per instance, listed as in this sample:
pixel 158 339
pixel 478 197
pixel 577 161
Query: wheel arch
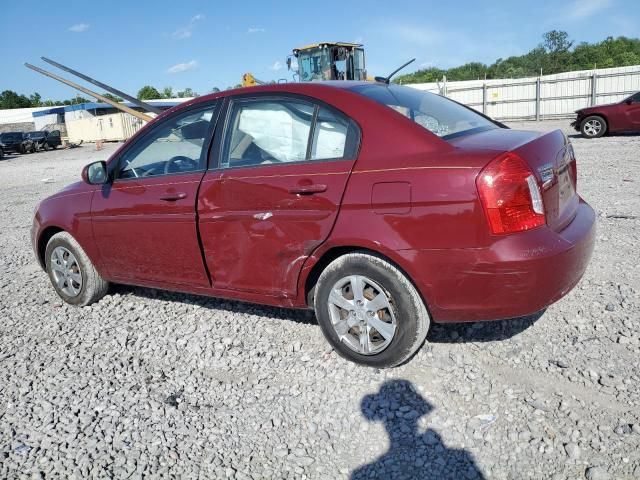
pixel 311 273
pixel 43 239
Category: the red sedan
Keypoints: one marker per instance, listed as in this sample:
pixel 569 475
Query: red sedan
pixel 624 116
pixel 382 207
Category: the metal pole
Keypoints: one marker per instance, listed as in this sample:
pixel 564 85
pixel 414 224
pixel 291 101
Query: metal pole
pixel 594 84
pixel 484 98
pixel 538 99
pixel 97 83
pixel 131 111
pixel 444 85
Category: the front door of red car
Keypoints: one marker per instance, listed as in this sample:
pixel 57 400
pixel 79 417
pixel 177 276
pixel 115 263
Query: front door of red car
pixel 144 221
pixel 275 194
pixel 631 109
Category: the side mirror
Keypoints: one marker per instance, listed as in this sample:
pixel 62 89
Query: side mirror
pixel 288 63
pixel 95 173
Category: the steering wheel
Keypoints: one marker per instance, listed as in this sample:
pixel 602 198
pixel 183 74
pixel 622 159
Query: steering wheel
pixel 180 163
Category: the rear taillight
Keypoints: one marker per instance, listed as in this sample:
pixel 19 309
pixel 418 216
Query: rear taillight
pixel 510 195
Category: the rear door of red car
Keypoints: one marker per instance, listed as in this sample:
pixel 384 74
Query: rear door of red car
pixel 280 172
pixel 144 222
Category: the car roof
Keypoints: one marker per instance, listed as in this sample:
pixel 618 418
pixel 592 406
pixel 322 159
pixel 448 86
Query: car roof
pixel 301 88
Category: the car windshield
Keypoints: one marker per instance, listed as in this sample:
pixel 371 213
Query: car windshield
pixel 11 136
pixel 35 135
pixel 439 115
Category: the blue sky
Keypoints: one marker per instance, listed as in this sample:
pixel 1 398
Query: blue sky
pixel 202 44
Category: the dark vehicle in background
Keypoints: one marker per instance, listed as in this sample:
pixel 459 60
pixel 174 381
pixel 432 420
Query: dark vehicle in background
pixel 16 142
pixel 594 122
pixel 44 139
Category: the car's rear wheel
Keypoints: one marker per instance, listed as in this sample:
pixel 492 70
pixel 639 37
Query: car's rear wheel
pixel 45 146
pixel 369 311
pixel 593 127
pixel 72 274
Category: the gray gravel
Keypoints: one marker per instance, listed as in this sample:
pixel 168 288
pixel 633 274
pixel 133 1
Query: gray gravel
pixel 155 384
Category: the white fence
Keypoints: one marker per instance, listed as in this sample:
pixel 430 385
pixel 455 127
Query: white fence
pixel 537 98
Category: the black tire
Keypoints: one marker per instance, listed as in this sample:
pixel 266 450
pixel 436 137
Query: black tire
pixel 594 126
pixel 33 148
pixel 54 146
pixel 45 146
pixel 93 287
pixel 412 317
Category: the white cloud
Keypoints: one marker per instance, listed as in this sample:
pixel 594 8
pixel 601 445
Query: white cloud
pixel 183 67
pixel 256 30
pixel 79 27
pixel 276 66
pixel 187 31
pixel 582 9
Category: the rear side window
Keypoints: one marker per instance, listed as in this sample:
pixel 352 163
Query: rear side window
pixel 329 135
pixel 439 115
pixel 288 130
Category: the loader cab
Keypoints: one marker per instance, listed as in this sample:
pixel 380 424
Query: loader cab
pixel 330 61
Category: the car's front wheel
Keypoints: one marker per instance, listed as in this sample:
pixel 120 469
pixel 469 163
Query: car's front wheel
pixel 369 311
pixel 72 274
pixel 593 127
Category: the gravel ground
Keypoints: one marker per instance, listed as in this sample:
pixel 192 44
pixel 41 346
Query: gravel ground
pixel 154 384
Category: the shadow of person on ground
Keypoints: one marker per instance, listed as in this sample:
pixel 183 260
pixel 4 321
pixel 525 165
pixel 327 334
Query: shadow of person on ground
pixel 411 455
pixel 490 331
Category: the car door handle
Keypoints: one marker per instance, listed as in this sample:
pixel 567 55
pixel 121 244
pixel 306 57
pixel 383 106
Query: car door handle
pixel 308 189
pixel 172 197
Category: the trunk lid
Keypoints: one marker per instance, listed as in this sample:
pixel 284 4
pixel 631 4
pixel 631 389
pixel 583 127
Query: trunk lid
pixel 551 159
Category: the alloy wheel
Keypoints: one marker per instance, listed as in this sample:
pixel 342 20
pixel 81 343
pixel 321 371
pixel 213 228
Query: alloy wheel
pixel 66 271
pixel 362 314
pixel 592 127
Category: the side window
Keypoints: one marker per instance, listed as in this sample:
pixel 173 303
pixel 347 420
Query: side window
pixel 174 146
pixel 263 132
pixel 267 131
pixel 329 136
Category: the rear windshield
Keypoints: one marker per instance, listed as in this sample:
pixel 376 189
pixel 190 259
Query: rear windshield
pixel 439 115
pixel 12 136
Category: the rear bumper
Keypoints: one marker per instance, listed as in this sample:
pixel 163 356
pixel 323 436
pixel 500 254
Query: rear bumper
pixel 518 275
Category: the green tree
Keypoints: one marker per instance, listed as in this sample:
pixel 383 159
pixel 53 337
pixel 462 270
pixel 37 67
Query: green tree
pixel 215 90
pixel 110 96
pixel 167 92
pixel 35 99
pixel 148 93
pixel 10 99
pixel 76 100
pixel 187 93
pixel 555 54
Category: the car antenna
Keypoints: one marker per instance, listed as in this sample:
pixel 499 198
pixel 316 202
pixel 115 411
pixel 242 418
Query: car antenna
pixel 388 79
